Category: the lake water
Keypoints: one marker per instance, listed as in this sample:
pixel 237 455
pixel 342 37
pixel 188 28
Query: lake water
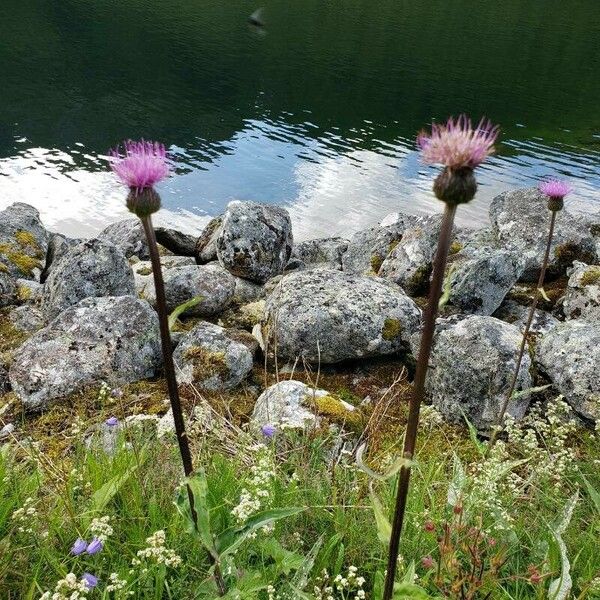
pixel 318 111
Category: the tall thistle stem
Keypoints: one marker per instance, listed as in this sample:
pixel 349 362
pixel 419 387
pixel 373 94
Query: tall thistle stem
pixel 167 350
pixel 410 438
pixel 534 303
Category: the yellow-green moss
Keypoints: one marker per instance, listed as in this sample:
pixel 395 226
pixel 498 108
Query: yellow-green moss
pixel 376 262
pixel 25 238
pixel 392 328
pixel 10 336
pixel 3 268
pixel 334 410
pixel 591 276
pixel 393 245
pixel 23 293
pixel 23 262
pixel 206 363
pixel 455 247
pixel 144 271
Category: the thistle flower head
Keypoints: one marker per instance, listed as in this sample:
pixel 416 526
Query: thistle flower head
pixel 556 191
pixel 457 144
pixel 140 165
pixel 554 188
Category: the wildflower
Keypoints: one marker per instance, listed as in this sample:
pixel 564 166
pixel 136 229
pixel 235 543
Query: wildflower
pixel 157 552
pixel 427 562
pixel 90 580
pixel 78 547
pixel 142 165
pixel 116 583
pixel 95 546
pixel 25 516
pixel 101 528
pixel 556 191
pixel 268 430
pixel 112 421
pixel 457 144
pixel 429 526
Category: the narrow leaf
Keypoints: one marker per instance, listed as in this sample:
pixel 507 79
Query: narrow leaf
pixel 179 310
pixel 384 527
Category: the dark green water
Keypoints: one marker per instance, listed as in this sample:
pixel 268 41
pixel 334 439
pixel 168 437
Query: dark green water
pixel 317 112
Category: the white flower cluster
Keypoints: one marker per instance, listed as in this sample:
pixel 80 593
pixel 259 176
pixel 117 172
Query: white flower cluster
pixel 69 588
pixel 542 437
pixel 430 417
pixel 24 516
pixel 349 587
pixel 116 583
pixel 101 528
pixel 157 552
pixel 256 494
pixel 77 426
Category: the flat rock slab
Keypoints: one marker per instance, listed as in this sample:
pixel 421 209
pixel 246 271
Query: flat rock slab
pixel 329 316
pixel 113 339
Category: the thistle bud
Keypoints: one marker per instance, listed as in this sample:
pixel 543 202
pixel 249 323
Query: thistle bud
pixel 455 186
pixel 143 202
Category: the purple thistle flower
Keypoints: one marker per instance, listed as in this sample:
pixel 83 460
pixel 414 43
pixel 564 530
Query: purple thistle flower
pixel 112 421
pixel 90 580
pixel 458 144
pixel 95 546
pixel 268 430
pixel 78 547
pixel 142 165
pixel 555 188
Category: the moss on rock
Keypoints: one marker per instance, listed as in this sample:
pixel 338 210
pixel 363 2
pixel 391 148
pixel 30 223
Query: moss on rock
pixel 591 276
pixel 333 409
pixel 392 328
pixel 206 363
pixel 376 262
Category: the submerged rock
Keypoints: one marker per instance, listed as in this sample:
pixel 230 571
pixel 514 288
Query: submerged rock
pixel 481 277
pixel 331 316
pixel 90 269
pixel 254 240
pixel 128 236
pixel 570 355
pixel 368 249
pixel 322 252
pixel 209 357
pixel 213 284
pixel 582 299
pixel 112 339
pixel 520 219
pixel 23 241
pixel 471 367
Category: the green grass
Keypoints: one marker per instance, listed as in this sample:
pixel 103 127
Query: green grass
pixel 136 486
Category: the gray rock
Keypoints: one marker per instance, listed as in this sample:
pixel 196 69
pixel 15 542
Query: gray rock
pixel 128 236
pixel 144 278
pixel 4 382
pixel 521 219
pixel 368 248
pixel 331 316
pixel 111 339
pixel 23 241
pixel 209 357
pixel 570 355
pixel 7 431
pixel 254 240
pixel 322 252
pixel 26 318
pixel 8 290
pixel 58 246
pixel 471 367
pixel 481 277
pixel 90 269
pixel 247 291
pixel 210 282
pixel 286 405
pixel 177 242
pixel 409 263
pixel 517 314
pixel 582 299
pixel 206 246
pixel 29 291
